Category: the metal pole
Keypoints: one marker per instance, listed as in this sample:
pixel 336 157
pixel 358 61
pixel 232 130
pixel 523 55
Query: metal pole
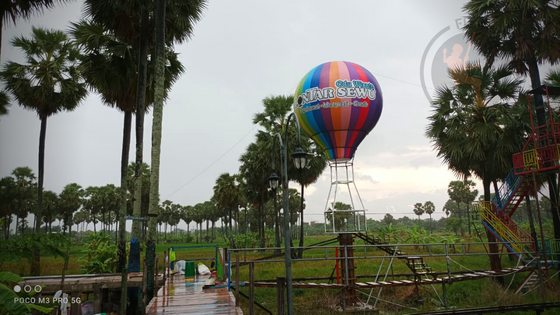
pixel 237 294
pixel 288 252
pixel 280 282
pixel 251 288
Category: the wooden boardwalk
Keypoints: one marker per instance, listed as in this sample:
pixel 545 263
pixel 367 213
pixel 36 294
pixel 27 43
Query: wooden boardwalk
pixel 180 297
pixel 445 279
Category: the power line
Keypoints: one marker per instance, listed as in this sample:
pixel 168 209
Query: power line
pixel 189 181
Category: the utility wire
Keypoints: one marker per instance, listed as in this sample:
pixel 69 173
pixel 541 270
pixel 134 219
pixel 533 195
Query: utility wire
pixel 189 181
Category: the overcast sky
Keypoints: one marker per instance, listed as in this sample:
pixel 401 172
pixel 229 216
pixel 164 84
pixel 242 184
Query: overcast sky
pixel 241 52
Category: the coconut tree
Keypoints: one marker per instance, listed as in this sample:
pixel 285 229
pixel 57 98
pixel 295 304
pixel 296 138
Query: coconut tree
pixel 524 33
pixel 475 131
pixel 48 83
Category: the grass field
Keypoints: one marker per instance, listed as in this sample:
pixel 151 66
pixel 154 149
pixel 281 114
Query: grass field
pixel 319 263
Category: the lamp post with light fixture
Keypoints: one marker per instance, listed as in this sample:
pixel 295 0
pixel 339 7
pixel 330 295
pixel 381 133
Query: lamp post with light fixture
pixel 300 161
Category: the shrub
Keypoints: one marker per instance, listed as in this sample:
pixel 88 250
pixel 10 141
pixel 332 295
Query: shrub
pixel 101 254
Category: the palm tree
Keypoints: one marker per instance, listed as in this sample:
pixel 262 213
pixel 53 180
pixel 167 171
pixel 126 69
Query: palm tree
pixel 429 208
pixel 51 203
pixel 70 202
pixel 130 21
pixel 26 186
pixel 226 194
pixel 525 33
pixel 418 210
pixel 553 78
pixel 7 203
pixel 273 120
pixel 474 130
pixel 109 67
pixel 187 216
pixel 255 169
pixel 197 216
pixel 4 103
pixel 12 10
pixel 455 190
pixel 48 83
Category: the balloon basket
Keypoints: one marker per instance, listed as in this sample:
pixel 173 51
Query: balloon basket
pixel 345 221
pixel 344 209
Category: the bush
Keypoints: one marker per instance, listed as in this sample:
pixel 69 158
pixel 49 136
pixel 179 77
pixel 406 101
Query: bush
pixel 101 254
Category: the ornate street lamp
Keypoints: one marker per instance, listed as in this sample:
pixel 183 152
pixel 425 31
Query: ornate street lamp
pixel 273 181
pixel 300 158
pixel 300 161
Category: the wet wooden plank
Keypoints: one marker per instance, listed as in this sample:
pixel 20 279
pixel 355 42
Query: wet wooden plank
pixel 183 297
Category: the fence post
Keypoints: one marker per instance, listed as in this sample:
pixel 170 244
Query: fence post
pixel 227 268
pixel 280 290
pixel 346 265
pixel 237 294
pixel 444 288
pixel 252 288
pixel 166 263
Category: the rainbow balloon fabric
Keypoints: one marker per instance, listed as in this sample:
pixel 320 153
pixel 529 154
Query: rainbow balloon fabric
pixel 337 104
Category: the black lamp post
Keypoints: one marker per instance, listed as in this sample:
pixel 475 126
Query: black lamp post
pixel 300 161
pixel 273 183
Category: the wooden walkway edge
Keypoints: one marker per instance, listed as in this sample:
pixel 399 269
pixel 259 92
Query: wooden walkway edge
pixel 178 296
pixel 445 279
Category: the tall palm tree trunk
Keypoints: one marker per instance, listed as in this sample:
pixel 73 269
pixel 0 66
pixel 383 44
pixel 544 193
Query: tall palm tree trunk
pixel 122 210
pixel 541 120
pixel 7 227
pixel 157 121
pixel 1 27
pixel 229 220
pixel 207 230
pixel 36 259
pixel 134 256
pixel 493 254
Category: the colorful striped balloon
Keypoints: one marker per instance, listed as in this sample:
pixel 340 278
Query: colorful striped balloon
pixel 338 104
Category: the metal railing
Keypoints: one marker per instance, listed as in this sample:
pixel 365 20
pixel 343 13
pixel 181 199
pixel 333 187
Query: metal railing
pixel 445 259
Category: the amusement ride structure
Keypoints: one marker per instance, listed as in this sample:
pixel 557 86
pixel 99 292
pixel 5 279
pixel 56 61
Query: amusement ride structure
pixel 338 104
pixel 540 155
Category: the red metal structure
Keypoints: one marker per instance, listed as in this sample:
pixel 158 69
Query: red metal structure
pixel 540 153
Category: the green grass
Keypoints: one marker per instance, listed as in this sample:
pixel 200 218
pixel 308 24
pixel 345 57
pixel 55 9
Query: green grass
pixel 472 293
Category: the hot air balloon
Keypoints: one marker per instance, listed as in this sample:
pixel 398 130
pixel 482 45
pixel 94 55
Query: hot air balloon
pixel 337 104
